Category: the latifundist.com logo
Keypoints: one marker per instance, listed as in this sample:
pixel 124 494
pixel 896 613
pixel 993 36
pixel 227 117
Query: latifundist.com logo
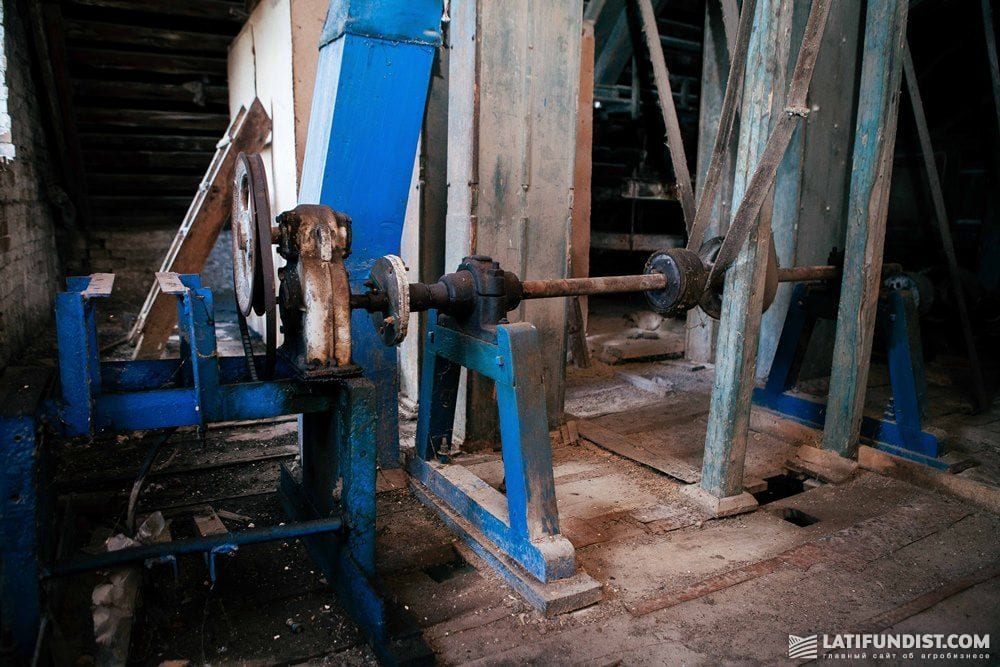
pixel 922 647
pixel 803 648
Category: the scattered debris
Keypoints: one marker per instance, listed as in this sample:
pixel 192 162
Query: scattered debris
pixel 113 601
pixel 646 320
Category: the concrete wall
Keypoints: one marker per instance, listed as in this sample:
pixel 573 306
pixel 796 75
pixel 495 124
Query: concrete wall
pixel 29 266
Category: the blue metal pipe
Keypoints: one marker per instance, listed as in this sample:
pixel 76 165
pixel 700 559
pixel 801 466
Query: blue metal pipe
pixel 77 565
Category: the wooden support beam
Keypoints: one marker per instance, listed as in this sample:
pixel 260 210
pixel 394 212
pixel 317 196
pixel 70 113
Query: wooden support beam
pixel 159 63
pixel 614 47
pixel 109 34
pixel 661 77
pixel 193 92
pixel 579 250
pixel 729 413
pixel 511 198
pixel 868 204
pixel 51 61
pixel 720 43
pixel 199 229
pixel 215 10
pixel 768 119
pixel 101 118
pixel 981 400
pixel 991 54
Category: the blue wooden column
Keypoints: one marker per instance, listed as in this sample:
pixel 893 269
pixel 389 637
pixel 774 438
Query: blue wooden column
pixel 739 325
pixel 868 206
pixel 368 106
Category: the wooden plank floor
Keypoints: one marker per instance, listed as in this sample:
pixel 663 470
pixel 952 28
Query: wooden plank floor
pixel 678 588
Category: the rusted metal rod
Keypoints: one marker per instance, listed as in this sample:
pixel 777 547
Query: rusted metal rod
pixel 543 289
pixel 801 274
pixel 424 296
pixel 798 274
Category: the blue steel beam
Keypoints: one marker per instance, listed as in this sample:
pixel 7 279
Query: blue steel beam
pixel 368 105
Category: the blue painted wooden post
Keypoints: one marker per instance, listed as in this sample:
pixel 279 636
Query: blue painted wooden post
pixel 874 143
pixel 729 416
pixel 368 105
pixel 196 324
pixel 76 331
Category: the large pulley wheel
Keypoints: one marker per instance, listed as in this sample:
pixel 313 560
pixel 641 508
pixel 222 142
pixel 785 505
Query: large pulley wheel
pixel 253 265
pixel 711 299
pixel 388 276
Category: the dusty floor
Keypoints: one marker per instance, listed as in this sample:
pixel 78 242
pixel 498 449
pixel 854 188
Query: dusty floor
pixel 872 553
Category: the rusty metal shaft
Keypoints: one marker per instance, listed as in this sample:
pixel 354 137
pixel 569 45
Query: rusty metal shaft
pixel 543 289
pixel 424 296
pixel 801 274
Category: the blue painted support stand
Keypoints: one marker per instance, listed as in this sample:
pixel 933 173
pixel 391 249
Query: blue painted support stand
pixel 901 435
pixel 517 533
pixel 21 510
pixel 332 494
pixel 76 331
pixel 525 524
pixel 371 88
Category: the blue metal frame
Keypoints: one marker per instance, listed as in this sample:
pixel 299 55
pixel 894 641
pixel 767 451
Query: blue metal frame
pixel 337 441
pixel 20 538
pixel 524 524
pixel 903 435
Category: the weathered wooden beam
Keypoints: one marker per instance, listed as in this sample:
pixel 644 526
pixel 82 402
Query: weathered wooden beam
pixel 51 61
pixel 215 10
pixel 719 46
pixel 614 46
pixel 760 152
pixel 160 63
pixel 661 77
pixel 150 142
pixel 199 229
pixel 981 400
pixel 991 54
pixel 178 120
pixel 123 160
pixel 868 204
pixel 194 91
pixel 714 162
pixel 523 184
pixel 109 34
pixel 137 183
pixel 796 108
pixel 579 249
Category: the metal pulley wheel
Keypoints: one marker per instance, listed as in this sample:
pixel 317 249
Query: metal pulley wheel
pixel 711 300
pixel 686 276
pixel 388 277
pixel 253 265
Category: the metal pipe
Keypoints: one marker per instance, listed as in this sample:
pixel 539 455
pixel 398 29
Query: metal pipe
pixel 799 274
pixel 543 289
pixel 79 564
pixel 424 296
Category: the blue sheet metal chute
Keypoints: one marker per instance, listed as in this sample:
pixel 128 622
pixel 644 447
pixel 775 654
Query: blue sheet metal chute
pixel 368 106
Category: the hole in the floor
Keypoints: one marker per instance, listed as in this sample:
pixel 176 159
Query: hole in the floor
pixel 780 486
pixel 440 572
pixel 798 517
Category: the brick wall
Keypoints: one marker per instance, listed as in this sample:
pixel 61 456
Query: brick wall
pixel 29 265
